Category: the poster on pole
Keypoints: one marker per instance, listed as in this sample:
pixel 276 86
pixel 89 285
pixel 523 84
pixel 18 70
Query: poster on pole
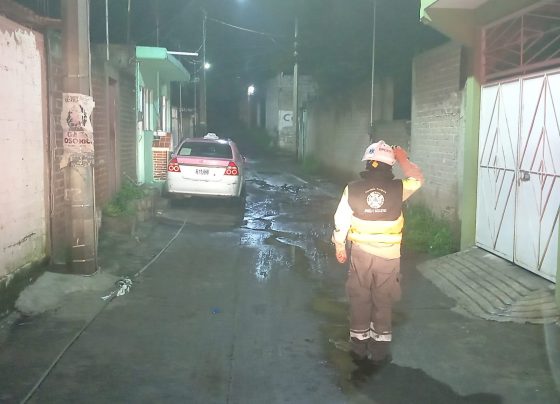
pixel 76 124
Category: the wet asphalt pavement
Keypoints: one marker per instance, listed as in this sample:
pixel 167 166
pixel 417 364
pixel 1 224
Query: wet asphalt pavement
pixel 247 305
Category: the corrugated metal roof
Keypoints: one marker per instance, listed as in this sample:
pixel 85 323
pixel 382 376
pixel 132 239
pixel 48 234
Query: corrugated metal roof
pixel 159 60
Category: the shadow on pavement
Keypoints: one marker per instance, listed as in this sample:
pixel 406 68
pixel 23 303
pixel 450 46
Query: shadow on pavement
pixel 212 213
pixel 398 384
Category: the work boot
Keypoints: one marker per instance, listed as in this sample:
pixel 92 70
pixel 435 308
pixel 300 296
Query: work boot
pixel 379 351
pixel 359 350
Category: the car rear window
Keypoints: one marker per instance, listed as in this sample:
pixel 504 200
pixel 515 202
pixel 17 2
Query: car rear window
pixel 196 149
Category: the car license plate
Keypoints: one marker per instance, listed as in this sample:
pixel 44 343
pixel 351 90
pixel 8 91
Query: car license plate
pixel 202 171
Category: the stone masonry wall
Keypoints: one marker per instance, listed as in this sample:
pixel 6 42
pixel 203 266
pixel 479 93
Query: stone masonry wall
pixel 437 125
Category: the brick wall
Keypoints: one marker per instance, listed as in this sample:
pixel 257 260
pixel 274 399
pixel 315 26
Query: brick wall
pixel 437 125
pixel 100 134
pixel 160 155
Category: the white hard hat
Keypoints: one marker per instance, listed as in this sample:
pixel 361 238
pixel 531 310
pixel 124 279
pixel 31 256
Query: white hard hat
pixel 380 151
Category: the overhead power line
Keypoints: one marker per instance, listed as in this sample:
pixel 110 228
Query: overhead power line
pixel 265 34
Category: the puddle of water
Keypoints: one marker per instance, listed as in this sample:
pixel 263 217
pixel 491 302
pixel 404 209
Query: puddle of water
pixel 294 189
pixel 262 184
pixel 264 263
pixel 298 259
pixel 257 224
pixel 253 238
pixel 261 210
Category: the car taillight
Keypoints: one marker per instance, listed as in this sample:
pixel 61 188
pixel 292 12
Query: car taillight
pixel 173 166
pixel 232 169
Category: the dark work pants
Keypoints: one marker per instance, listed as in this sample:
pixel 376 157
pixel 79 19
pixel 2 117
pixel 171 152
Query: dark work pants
pixel 373 285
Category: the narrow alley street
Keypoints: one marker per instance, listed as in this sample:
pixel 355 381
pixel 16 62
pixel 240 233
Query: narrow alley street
pixel 249 307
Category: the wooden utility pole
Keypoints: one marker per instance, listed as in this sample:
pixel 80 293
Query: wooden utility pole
pixel 202 121
pixel 82 243
pixel 371 134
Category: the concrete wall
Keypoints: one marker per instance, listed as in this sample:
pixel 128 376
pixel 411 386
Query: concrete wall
pixel 59 207
pixel 279 97
pixel 127 124
pixel 437 127
pixel 23 147
pixel 337 128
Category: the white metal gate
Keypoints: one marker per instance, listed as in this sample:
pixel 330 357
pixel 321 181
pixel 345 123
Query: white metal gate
pixel 519 171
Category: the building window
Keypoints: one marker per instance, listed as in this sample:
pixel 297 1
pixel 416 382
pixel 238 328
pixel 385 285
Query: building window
pixel 147 102
pixel 164 114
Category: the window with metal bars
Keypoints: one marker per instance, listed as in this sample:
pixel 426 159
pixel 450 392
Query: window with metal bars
pixel 523 43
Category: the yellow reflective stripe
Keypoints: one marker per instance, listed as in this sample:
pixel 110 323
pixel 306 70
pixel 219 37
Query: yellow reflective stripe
pixel 376 232
pixel 377 226
pixel 375 238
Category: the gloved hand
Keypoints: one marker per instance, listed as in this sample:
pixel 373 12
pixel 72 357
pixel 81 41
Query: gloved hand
pixel 341 256
pixel 408 167
pixel 400 154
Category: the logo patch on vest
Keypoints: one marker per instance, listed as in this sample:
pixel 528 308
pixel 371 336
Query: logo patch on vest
pixel 375 200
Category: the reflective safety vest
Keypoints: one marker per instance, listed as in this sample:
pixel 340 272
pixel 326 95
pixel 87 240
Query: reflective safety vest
pixel 377 218
pixel 377 199
pixel 370 214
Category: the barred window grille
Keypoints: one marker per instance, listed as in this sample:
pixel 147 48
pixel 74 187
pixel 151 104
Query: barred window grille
pixel 523 43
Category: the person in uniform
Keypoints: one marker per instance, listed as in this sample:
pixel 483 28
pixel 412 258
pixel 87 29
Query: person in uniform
pixel 369 217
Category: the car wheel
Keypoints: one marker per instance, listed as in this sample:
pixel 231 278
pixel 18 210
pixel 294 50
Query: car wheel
pixel 239 201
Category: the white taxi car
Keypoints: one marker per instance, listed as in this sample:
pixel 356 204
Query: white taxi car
pixel 207 166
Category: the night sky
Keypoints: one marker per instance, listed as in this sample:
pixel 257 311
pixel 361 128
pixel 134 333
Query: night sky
pixel 335 39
